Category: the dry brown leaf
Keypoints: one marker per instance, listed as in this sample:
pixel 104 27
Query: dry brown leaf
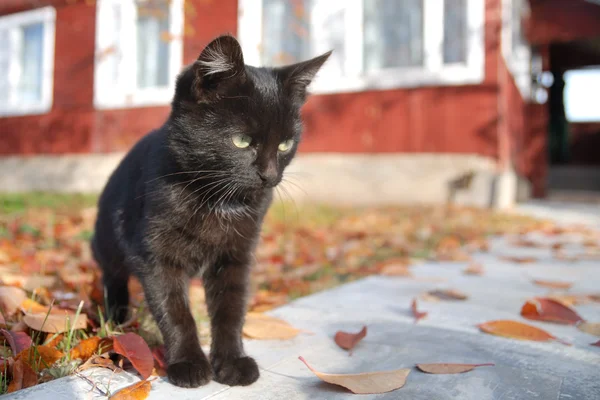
pixel 569 299
pixel 593 328
pixel 595 343
pixel 448 294
pixel 86 348
pixel 28 282
pixel 137 391
pixel 10 299
pixel 396 270
pixel 135 349
pixel 55 322
pixel 519 260
pixel 517 330
pixel 23 377
pixel 348 341
pixel 98 361
pixel 39 357
pixel 474 269
pixel 417 314
pixel 553 284
pixel 522 242
pixel 446 368
pixel 366 382
pixel 261 326
pixel 549 310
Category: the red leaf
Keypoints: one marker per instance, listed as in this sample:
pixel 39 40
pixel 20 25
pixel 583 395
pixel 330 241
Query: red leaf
pixel 18 341
pixel 347 340
pixel 135 349
pixel 159 356
pixel 596 343
pixel 546 309
pixel 418 314
pixel 23 377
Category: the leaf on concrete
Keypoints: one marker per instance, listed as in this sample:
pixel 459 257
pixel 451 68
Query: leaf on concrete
pixel 10 299
pixel 137 391
pixel 135 349
pixel 446 368
pixel 40 357
pixel 595 343
pixel 366 382
pixel 22 377
pixel 18 341
pixel 519 260
pixel 99 361
pixel 474 269
pixel 549 310
pixel 553 284
pixel 261 326
pixel 396 269
pixel 517 330
pixel 348 341
pixel 593 328
pixel 448 294
pixel 417 314
pixel 86 348
pixel 55 322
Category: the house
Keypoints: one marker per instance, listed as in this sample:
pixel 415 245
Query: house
pixel 418 95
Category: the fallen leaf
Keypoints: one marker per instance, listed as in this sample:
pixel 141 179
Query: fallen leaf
pixel 553 284
pixel 569 299
pixel 31 306
pixel 135 349
pixel 519 260
pixel 594 297
pixel 98 361
pixel 396 270
pixel 22 377
pixel 18 341
pixel 137 391
pixel 55 322
pixel 366 382
pixel 526 243
pixel 29 283
pixel 446 368
pixel 417 314
pixel 86 348
pixel 40 357
pixel 10 299
pixel 52 339
pixel 593 328
pixel 549 310
pixel 596 343
pixel 261 326
pixel 448 294
pixel 348 341
pixel 517 330
pixel 474 269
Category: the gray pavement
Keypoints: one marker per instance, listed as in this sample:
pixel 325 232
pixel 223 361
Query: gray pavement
pixel 523 370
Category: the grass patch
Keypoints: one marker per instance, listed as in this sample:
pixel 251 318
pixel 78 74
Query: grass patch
pixel 18 203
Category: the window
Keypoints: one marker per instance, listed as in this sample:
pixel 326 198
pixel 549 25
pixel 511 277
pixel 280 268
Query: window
pixel 378 44
pixel 27 62
pixel 515 49
pixel 138 52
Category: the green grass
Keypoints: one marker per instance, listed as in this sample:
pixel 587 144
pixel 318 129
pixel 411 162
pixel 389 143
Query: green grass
pixel 17 203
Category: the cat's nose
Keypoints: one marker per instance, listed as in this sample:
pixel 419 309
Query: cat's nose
pixel 268 177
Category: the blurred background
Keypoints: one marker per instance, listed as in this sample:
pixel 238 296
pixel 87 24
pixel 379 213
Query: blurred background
pixel 480 102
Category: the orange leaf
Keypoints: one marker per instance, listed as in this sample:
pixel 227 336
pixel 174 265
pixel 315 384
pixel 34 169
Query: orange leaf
pixel 31 306
pixel 137 391
pixel 348 341
pixel 367 382
pixel 517 330
pixel 55 322
pixel 86 348
pixel 135 349
pixel 473 269
pixel 546 309
pixel 519 260
pixel 417 314
pixel 448 294
pixel 553 284
pixel 447 368
pixel 23 377
pixel 40 357
pixel 52 340
pixel 18 341
pixel 396 270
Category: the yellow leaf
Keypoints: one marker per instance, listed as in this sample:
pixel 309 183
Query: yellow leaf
pixel 260 326
pixel 137 391
pixel 593 328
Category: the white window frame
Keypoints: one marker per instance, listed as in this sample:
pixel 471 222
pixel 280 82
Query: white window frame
pixel 433 73
pixel 13 23
pixel 126 94
pixel 518 61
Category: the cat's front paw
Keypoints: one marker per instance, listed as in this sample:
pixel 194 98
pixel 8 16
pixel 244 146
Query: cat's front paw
pixel 190 374
pixel 240 371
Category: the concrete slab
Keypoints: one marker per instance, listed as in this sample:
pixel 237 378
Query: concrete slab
pixel 523 370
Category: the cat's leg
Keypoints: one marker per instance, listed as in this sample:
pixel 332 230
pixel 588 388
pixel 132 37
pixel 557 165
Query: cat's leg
pixel 166 291
pixel 226 287
pixel 115 276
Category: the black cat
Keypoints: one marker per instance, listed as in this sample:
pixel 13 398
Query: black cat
pixel 189 199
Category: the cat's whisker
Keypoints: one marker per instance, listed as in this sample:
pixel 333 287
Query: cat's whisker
pixel 184 172
pixel 296 185
pixel 284 189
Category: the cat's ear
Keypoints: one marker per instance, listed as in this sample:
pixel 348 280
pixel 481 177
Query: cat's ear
pixel 219 66
pixel 297 77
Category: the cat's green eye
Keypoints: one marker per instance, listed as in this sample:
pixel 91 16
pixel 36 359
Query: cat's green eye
pixel 241 141
pixel 286 145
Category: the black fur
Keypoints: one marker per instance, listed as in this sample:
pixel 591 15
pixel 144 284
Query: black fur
pixel 186 201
